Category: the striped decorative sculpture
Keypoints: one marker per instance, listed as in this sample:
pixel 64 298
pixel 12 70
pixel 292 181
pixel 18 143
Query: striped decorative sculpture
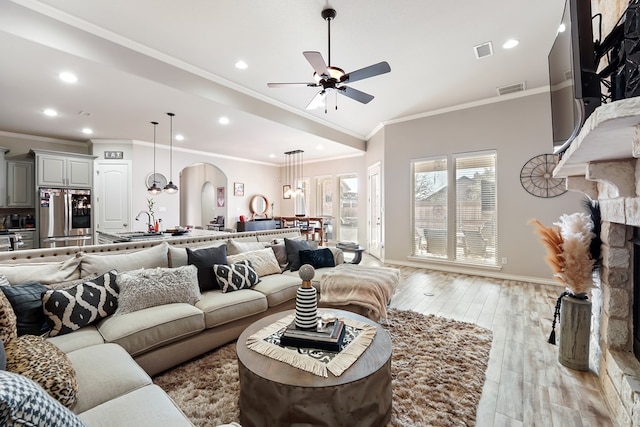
pixel 306 300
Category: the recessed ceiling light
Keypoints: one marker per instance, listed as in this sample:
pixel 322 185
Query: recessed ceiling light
pixel 319 147
pixel 223 120
pixel 241 65
pixel 179 137
pixel 50 112
pixel 561 28
pixel 272 156
pixel 87 131
pixel 68 77
pixel 510 44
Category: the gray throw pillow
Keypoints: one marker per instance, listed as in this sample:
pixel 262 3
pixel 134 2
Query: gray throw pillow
pixel 293 248
pixel 204 260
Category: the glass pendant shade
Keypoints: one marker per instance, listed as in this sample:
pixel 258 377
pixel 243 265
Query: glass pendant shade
pixel 154 189
pixel 171 188
pixel 293 171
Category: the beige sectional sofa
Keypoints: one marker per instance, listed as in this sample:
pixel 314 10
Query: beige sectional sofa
pixel 115 357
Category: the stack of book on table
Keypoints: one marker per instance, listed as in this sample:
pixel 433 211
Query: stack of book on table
pixel 347 245
pixel 329 337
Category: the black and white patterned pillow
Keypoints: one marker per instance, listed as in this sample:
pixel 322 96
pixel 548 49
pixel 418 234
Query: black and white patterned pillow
pixel 236 276
pixel 23 402
pixel 70 309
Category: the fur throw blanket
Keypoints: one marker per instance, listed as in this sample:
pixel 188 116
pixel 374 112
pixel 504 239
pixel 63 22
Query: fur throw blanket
pixel 369 287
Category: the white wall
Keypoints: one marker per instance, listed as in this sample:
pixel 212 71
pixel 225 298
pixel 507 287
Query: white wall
pixel 518 129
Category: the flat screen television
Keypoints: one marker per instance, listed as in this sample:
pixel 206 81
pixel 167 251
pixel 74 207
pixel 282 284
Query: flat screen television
pixel 573 80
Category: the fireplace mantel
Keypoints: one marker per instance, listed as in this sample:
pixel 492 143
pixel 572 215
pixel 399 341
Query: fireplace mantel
pixel 609 134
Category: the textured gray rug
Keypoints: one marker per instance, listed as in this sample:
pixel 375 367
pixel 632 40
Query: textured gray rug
pixel 438 369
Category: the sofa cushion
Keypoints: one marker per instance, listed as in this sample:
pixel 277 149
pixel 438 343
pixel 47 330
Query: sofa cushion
pixel 220 308
pixel 293 252
pixel 26 301
pixel 144 330
pixel 42 272
pixel 68 310
pixel 83 337
pixel 278 288
pixel 146 406
pixel 263 261
pixel 178 255
pixel 105 372
pixel 8 321
pixel 141 289
pixel 318 258
pixel 234 277
pixel 23 402
pixel 235 247
pixel 204 260
pixel 155 256
pixel 39 360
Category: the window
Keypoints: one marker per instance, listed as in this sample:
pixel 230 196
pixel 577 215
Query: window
pixel 325 188
pixel 348 209
pixel 454 208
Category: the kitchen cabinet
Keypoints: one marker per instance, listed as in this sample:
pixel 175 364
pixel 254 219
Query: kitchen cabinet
pixel 54 169
pixel 28 239
pixel 3 177
pixel 20 192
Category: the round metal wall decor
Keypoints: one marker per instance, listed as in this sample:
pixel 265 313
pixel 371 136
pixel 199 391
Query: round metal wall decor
pixel 158 178
pixel 537 177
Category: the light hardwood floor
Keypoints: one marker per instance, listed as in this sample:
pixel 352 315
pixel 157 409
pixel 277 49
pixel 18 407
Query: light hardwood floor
pixel 525 384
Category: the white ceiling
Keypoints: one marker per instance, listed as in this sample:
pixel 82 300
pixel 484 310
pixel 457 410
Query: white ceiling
pixel 137 60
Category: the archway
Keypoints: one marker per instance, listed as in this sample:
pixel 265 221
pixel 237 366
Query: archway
pixel 203 194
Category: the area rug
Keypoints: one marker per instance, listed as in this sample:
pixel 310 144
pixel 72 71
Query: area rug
pixel 438 370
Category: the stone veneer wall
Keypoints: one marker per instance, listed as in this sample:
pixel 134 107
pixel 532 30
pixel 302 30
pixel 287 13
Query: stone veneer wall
pixel 612 322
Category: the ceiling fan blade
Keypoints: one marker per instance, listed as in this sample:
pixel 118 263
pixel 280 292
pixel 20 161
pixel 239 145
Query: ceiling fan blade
pixel 308 84
pixel 366 72
pixel 317 62
pixel 317 101
pixel 356 94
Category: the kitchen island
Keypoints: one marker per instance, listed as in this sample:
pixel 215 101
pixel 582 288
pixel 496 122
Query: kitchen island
pixel 135 236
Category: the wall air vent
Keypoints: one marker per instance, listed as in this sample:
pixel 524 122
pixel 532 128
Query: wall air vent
pixel 506 90
pixel 483 50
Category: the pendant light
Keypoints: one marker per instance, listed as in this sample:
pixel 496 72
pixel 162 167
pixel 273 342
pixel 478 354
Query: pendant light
pixel 171 188
pixel 154 189
pixel 293 173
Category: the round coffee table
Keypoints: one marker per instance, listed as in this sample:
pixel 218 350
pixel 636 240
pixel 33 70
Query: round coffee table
pixel 275 393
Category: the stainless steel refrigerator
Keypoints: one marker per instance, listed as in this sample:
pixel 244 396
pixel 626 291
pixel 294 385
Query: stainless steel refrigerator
pixel 65 217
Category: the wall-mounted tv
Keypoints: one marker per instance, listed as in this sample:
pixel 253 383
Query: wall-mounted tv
pixel 574 82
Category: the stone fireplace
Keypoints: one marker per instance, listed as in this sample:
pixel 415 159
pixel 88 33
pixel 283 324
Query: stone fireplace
pixel 603 162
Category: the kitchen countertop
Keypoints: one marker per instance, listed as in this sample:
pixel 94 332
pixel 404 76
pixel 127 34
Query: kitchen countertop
pixel 130 236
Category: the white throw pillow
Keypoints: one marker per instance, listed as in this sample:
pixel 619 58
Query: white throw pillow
pixel 263 261
pixel 142 289
pixel 235 247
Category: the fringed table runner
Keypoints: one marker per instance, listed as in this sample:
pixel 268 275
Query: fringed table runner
pixel 358 336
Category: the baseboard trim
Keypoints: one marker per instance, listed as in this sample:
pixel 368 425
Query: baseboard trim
pixel 492 272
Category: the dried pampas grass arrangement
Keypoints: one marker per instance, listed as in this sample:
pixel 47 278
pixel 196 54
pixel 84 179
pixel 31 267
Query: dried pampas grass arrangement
pixel 568 244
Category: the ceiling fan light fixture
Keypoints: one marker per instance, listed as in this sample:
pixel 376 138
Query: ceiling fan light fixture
pixel 334 73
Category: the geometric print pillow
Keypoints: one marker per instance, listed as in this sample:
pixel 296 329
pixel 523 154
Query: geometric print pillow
pixel 236 276
pixel 71 309
pixel 25 403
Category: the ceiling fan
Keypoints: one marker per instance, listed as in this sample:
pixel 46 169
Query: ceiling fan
pixel 333 78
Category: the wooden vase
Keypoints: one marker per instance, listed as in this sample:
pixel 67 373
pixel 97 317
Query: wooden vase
pixel 575 329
